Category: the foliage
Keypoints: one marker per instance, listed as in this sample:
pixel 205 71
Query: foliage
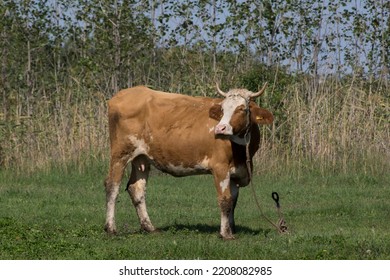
pixel 60 60
pixel 280 81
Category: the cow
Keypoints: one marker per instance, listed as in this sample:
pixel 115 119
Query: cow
pixel 182 135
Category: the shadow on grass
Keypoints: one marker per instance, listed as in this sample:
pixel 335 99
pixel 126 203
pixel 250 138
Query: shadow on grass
pixel 199 228
pixel 211 229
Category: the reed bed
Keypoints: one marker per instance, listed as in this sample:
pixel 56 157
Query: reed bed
pixel 333 127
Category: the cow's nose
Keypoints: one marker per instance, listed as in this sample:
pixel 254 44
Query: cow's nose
pixel 220 129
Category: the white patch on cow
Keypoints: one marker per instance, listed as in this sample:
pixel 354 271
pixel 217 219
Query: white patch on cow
pixel 110 219
pixel 201 167
pixel 204 164
pixel 229 105
pixel 138 189
pixel 141 148
pixel 224 184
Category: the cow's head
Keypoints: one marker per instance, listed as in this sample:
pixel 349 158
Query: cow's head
pixel 237 112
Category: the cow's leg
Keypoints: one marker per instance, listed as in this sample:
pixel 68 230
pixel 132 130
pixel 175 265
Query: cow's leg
pixel 234 193
pixel 226 200
pixel 112 183
pixel 137 190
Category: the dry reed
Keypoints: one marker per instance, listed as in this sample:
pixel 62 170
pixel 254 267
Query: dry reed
pixel 340 128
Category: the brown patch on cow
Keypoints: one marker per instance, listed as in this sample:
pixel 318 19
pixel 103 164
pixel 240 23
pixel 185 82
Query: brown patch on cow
pixel 215 112
pixel 239 120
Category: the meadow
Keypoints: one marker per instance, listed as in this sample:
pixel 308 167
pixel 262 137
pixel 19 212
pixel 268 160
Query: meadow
pixel 327 153
pixel 57 214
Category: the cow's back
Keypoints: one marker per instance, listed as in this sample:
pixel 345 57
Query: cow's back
pixel 173 130
pixel 145 107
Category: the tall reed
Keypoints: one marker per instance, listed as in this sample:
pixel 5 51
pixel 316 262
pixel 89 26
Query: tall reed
pixel 71 128
pixel 340 128
pixel 333 128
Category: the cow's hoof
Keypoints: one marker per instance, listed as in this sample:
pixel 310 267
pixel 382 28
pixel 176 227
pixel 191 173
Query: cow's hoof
pixel 110 230
pixel 149 229
pixel 227 237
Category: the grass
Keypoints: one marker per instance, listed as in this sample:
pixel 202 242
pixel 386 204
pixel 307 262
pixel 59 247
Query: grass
pixel 60 215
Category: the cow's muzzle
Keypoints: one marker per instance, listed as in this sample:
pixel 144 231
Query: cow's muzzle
pixel 223 129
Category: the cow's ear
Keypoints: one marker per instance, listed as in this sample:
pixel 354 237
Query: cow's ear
pixel 260 115
pixel 215 112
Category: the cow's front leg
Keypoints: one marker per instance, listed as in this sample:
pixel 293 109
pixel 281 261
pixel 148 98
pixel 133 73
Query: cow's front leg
pixel 234 193
pixel 226 201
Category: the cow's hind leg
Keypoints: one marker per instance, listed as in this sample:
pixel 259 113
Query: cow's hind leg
pixel 137 190
pixel 112 183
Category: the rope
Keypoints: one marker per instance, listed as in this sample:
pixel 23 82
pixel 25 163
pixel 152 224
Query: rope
pixel 280 226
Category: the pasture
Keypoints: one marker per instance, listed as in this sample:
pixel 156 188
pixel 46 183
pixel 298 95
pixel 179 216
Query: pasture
pixel 60 215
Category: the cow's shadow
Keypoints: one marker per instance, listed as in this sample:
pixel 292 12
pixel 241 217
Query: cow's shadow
pixel 210 229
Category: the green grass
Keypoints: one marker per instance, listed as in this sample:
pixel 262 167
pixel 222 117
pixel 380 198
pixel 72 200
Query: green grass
pixel 60 215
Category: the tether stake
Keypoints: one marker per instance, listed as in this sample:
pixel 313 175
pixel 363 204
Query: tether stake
pixel 281 222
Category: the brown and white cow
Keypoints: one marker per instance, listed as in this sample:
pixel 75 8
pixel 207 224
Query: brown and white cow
pixel 182 135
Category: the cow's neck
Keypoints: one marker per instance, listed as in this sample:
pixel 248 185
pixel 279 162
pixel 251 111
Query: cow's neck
pixel 243 141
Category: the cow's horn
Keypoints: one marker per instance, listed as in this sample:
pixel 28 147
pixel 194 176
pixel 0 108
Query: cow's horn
pixel 260 92
pixel 220 91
